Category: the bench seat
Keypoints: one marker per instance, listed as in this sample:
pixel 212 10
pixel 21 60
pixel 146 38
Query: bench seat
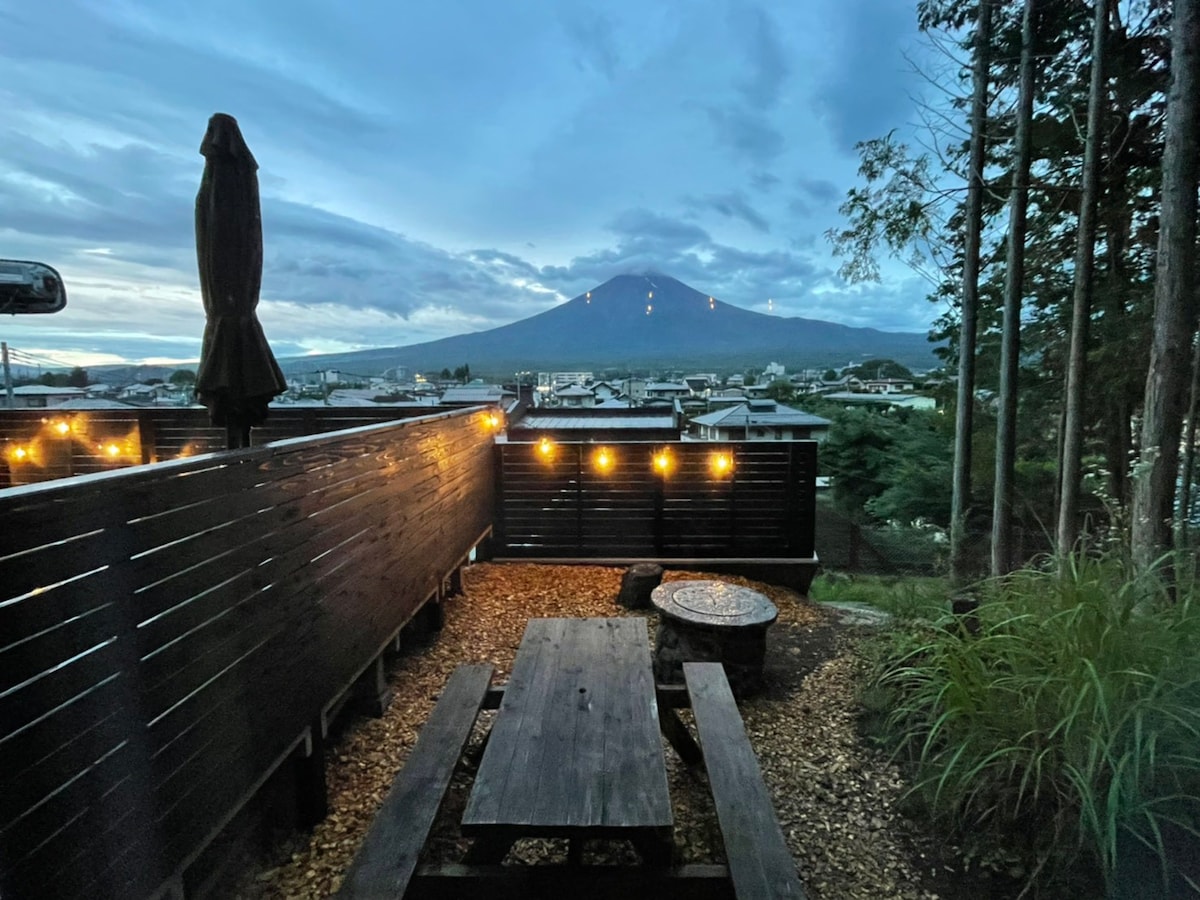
pixel 388 857
pixel 760 863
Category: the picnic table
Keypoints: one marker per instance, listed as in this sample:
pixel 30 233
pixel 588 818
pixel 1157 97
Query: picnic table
pixel 575 752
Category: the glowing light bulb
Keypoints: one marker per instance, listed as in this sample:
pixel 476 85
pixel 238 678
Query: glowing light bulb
pixel 62 427
pixel 649 309
pixel 546 449
pixel 112 450
pixel 19 453
pixel 603 459
pixel 662 462
pixel 588 297
pixel 721 464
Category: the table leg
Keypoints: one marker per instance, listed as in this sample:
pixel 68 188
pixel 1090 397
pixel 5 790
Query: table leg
pixel 655 849
pixel 489 849
pixel 679 737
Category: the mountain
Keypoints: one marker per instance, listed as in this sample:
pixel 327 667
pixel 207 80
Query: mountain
pixel 619 325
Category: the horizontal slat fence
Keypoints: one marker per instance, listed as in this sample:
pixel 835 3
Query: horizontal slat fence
pixel 562 504
pixel 169 634
pixel 63 443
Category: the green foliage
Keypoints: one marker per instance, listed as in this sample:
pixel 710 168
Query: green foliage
pixel 77 377
pixel 905 598
pixel 890 466
pixel 890 211
pixel 182 377
pixel 880 368
pixel 1067 727
pixel 781 391
pixel 829 375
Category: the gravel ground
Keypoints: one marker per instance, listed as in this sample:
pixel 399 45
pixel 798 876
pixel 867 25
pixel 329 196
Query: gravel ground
pixel 835 797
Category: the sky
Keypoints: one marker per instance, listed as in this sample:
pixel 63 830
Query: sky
pixel 433 168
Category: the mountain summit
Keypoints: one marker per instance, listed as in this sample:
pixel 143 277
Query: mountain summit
pixel 645 321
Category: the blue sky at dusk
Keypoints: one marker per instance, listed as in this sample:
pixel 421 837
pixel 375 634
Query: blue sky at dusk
pixel 432 168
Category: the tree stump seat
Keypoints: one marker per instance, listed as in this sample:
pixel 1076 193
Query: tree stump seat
pixel 712 621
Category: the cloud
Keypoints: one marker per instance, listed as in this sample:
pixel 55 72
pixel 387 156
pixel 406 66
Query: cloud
pixel 744 124
pixel 731 205
pixel 865 89
pixel 593 37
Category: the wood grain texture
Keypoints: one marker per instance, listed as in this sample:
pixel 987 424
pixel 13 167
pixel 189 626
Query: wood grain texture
pixel 563 506
pixel 575 747
pixel 192 618
pixel 388 856
pixel 759 860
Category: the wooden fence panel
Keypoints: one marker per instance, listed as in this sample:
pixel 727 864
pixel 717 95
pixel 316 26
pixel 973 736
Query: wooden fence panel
pixel 64 443
pixel 562 505
pixel 169 633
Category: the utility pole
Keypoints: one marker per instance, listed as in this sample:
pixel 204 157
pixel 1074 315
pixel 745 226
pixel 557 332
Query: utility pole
pixel 8 391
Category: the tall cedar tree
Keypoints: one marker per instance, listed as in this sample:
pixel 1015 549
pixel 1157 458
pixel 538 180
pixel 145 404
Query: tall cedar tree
pixel 1174 299
pixel 1081 303
pixel 1014 285
pixel 960 498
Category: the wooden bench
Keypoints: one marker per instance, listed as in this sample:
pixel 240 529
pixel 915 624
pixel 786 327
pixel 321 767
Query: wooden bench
pixel 385 862
pixel 760 863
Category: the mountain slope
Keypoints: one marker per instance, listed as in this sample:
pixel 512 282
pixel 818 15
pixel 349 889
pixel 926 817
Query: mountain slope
pixel 620 325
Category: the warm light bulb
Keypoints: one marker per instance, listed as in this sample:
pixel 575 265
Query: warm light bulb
pixel 604 459
pixel 19 453
pixel 546 448
pixel 112 450
pixel 721 464
pixel 493 420
pixel 62 427
pixel 662 462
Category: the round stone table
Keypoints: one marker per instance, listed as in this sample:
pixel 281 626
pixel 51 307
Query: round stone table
pixel 711 621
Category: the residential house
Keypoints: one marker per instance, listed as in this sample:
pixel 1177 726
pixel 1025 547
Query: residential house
pixel 575 396
pixel 758 420
pixel 40 396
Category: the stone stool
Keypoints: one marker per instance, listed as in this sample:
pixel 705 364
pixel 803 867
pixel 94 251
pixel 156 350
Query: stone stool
pixel 712 621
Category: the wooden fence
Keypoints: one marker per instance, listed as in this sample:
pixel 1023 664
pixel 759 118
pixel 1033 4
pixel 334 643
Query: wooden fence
pixel 170 634
pixel 563 501
pixel 44 444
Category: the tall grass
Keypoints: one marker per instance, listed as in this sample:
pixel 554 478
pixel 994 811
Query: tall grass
pixel 1070 718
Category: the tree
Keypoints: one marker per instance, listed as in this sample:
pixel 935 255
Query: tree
pixel 781 391
pixel 1174 298
pixel 183 377
pixel 960 494
pixel 1014 285
pixel 446 374
pixel 463 373
pixel 77 378
pixel 1081 304
pixel 829 375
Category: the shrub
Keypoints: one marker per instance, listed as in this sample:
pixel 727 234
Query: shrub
pixel 1070 719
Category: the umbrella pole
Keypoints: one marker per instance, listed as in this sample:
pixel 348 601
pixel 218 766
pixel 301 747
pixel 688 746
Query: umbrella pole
pixel 237 436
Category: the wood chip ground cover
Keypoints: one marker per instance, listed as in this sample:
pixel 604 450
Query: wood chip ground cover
pixel 835 797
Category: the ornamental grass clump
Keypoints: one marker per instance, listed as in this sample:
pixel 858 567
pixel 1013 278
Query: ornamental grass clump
pixel 1068 721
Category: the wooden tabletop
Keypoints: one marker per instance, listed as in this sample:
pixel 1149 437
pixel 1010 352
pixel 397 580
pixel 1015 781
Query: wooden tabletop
pixel 575 748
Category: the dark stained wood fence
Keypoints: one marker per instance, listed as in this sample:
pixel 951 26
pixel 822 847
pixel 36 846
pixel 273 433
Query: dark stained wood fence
pixel 151 435
pixel 170 634
pixel 564 506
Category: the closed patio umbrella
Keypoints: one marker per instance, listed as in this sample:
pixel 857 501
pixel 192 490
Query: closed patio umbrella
pixel 238 375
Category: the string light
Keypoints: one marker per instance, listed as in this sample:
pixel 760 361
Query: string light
pixel 545 449
pixel 662 462
pixel 721 464
pixel 603 459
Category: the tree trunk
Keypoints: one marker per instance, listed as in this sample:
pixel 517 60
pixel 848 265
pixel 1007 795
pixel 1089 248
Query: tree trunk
pixel 1189 448
pixel 1174 300
pixel 1014 283
pixel 960 501
pixel 1081 304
